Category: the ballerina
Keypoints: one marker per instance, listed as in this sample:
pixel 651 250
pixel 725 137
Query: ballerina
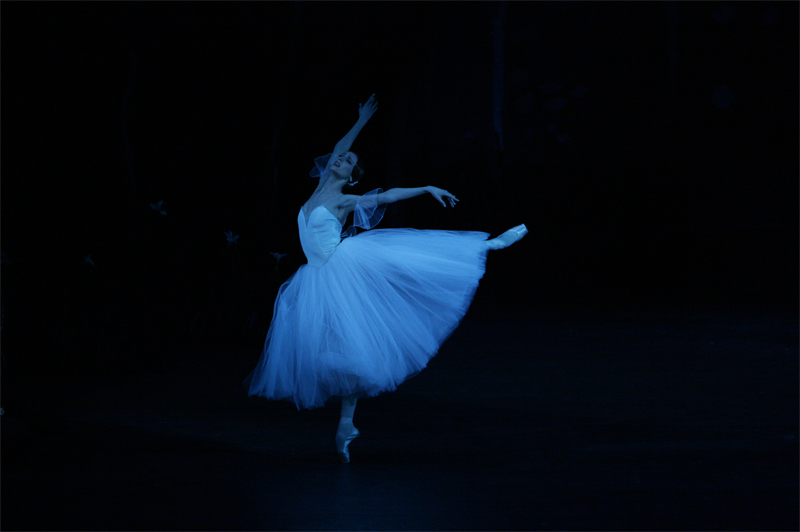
pixel 369 309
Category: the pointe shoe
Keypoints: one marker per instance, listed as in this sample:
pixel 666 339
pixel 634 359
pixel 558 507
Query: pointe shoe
pixel 509 237
pixel 342 442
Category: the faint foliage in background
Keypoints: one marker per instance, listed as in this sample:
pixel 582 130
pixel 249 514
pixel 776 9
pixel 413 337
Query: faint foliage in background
pixel 159 207
pixel 277 257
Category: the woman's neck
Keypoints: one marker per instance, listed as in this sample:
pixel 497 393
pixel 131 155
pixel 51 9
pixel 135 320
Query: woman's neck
pixel 329 187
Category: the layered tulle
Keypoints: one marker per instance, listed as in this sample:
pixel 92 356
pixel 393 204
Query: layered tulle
pixel 371 316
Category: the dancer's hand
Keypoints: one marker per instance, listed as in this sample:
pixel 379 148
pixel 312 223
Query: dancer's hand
pixel 366 111
pixel 442 195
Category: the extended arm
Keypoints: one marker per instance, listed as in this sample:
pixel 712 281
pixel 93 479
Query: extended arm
pixel 398 194
pixel 364 113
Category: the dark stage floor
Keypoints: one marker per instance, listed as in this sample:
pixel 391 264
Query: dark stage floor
pixel 618 419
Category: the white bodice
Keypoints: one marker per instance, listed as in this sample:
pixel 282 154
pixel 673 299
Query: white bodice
pixel 319 235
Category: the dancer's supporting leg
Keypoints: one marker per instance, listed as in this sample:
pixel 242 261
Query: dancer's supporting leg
pixel 346 432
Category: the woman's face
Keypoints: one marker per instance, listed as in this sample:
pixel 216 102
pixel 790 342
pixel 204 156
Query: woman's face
pixel 344 163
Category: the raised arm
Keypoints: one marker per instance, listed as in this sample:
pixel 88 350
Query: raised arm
pixel 365 112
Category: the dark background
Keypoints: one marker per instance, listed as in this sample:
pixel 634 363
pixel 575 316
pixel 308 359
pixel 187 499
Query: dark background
pixel 650 147
pixel 639 189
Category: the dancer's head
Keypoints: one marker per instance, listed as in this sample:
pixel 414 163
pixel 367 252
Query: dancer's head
pixel 348 166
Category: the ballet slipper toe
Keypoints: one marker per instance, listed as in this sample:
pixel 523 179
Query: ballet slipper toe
pixel 519 231
pixel 342 444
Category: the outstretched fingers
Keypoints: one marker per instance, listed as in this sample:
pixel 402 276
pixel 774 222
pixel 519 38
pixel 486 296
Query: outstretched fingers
pixel 443 195
pixel 450 199
pixel 368 108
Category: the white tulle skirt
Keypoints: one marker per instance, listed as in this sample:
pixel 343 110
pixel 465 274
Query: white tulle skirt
pixel 370 317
